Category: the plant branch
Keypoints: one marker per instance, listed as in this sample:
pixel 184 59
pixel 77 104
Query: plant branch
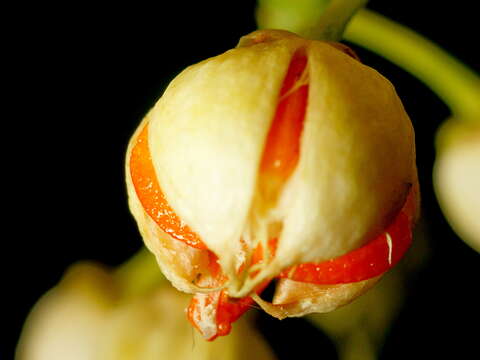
pixel 331 24
pixel 453 82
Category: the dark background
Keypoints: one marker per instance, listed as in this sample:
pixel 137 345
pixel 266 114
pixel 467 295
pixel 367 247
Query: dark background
pixel 80 79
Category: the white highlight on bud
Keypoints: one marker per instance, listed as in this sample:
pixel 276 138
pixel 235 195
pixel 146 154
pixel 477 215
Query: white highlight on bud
pixel 390 247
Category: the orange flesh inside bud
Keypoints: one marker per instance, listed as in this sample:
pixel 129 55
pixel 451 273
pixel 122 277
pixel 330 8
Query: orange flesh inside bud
pixel 152 198
pixel 368 261
pixel 282 147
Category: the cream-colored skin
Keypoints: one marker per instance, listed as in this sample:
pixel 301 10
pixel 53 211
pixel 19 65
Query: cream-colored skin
pixel 207 135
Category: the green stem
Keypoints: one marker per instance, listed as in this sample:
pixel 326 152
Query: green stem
pixel 139 274
pixel 331 24
pixel 453 82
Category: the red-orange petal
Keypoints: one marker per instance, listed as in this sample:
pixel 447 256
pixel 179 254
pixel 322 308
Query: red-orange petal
pixel 152 198
pixel 368 261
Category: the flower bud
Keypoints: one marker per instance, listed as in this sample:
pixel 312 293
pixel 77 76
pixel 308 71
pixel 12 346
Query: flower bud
pixel 67 322
pixel 280 152
pixel 84 318
pixel 457 177
pixel 155 327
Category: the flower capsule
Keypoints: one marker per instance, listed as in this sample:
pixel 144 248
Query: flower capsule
pixel 277 154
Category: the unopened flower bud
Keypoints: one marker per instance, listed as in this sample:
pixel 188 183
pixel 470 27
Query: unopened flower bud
pixel 457 178
pixel 278 153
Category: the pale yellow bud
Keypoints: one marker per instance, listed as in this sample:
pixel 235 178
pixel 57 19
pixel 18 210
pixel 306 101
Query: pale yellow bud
pixel 457 178
pixel 67 322
pixel 155 327
pixel 84 318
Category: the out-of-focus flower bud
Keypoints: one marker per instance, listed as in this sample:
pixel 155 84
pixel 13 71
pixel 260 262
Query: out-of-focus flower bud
pixel 457 178
pixel 155 327
pixel 268 160
pixel 68 321
pixel 83 318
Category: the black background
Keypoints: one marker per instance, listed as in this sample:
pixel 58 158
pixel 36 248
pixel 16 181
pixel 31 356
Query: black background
pixel 80 78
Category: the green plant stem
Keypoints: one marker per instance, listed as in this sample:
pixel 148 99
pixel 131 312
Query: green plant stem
pixel 331 24
pixel 453 82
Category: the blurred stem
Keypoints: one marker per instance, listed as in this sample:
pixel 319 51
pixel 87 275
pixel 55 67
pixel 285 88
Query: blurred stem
pixel 334 19
pixel 453 82
pixel 139 274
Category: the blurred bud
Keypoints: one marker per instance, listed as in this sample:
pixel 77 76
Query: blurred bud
pixel 457 178
pixel 278 153
pixel 68 321
pixel 84 319
pixel 155 327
